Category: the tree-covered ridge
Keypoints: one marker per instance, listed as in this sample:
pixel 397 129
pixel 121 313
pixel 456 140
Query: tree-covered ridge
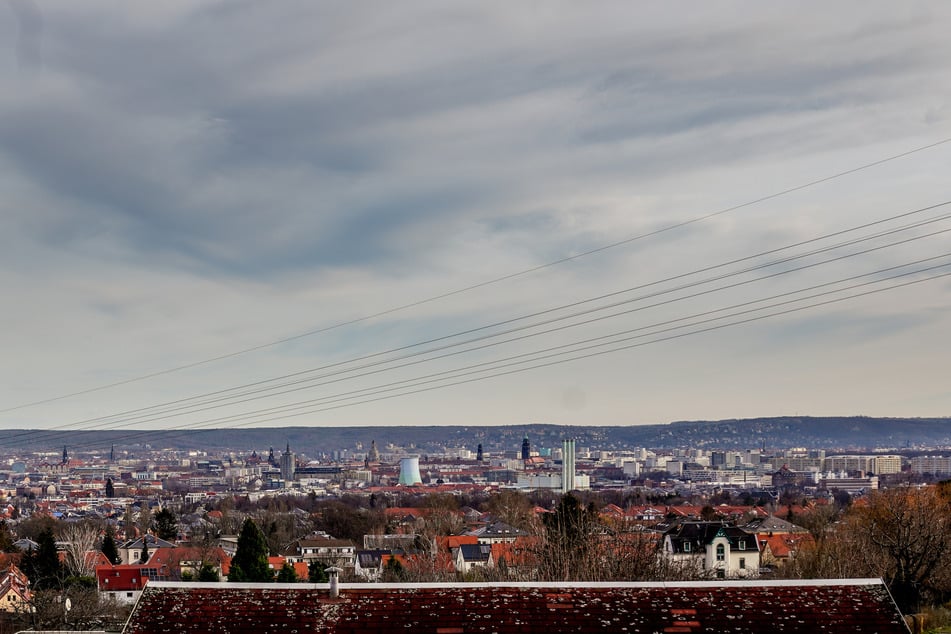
pixel 821 432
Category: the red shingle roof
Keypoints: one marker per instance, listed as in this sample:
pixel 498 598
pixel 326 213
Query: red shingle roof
pixel 852 606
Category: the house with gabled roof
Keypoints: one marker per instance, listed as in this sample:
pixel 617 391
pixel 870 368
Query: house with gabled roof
pixel 466 557
pixel 780 548
pixel 846 606
pixel 771 525
pixel 132 551
pixel 497 532
pixel 125 582
pixel 15 593
pixel 721 549
pixel 368 564
pixel 189 560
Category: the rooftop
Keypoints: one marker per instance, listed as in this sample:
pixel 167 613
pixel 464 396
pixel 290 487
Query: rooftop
pixel 798 607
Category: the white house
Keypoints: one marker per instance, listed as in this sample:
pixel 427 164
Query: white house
pixel 723 550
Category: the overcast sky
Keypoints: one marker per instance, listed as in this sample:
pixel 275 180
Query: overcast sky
pixel 185 180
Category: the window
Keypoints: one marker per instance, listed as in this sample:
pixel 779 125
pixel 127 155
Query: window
pixel 742 544
pixel 742 563
pixel 686 547
pixel 721 552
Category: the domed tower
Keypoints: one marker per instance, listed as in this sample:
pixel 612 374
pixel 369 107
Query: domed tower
pixel 374 455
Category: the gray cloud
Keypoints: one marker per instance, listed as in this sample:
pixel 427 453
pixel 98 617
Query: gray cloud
pixel 269 168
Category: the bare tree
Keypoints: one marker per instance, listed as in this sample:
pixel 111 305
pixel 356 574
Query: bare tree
pixel 80 539
pixel 513 508
pixel 906 539
pixel 145 518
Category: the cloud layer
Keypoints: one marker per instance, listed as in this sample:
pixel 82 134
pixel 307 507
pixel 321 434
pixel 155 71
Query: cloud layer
pixel 187 180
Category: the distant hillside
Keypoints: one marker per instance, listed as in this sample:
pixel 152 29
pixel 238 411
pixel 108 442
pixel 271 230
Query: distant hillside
pixel 831 433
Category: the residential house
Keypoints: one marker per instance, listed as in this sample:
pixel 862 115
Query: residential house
pixel 132 551
pixel 327 550
pixel 368 564
pixel 467 557
pixel 14 590
pixel 721 549
pixel 188 560
pixel 125 583
pixel 779 549
pixel 496 533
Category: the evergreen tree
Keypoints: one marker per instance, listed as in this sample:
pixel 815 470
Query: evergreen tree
pixel 165 525
pixel 42 565
pixel 287 574
pixel 394 572
pixel 250 559
pixel 145 549
pixel 6 538
pixel 208 573
pixel 316 573
pixel 109 548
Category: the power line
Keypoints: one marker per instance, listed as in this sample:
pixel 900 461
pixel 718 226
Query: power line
pixel 129 415
pixel 482 284
pixel 416 388
pixel 582 344
pixel 196 407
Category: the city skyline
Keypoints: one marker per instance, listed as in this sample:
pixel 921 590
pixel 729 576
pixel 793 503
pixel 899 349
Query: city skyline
pixel 194 206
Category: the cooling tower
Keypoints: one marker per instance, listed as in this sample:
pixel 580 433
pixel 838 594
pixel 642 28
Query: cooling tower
pixel 409 471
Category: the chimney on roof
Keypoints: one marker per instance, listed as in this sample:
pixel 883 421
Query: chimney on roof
pixel 334 572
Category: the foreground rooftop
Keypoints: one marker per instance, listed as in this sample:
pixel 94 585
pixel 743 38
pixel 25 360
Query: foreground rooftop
pixel 830 606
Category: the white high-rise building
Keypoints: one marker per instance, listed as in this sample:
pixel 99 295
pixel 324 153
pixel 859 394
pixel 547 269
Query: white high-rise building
pixel 567 465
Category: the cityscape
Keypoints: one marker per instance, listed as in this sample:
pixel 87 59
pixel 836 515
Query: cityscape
pixel 475 317
pixel 370 514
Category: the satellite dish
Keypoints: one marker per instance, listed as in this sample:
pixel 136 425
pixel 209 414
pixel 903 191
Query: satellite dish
pixel 68 604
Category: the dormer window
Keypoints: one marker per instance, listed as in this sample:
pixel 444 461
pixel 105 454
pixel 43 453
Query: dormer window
pixel 686 547
pixel 742 544
pixel 721 552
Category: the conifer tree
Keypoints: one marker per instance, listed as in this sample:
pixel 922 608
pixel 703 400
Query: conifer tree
pixel 208 573
pixel 145 549
pixel 250 559
pixel 43 566
pixel 316 572
pixel 287 574
pixel 109 548
pixel 166 525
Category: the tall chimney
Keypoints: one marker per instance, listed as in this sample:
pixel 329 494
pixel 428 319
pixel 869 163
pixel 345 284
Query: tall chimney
pixel 333 571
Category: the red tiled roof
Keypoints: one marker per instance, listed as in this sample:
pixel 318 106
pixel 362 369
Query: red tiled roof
pixel 455 541
pixel 785 545
pixel 792 607
pixel 122 578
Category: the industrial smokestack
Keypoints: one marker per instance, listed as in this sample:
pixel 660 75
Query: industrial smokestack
pixel 567 465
